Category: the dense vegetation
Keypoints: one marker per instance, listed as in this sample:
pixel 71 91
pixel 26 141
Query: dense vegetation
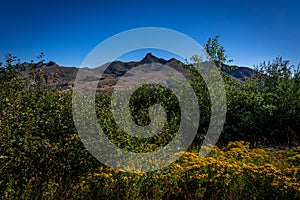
pixel 43 157
pixel 265 109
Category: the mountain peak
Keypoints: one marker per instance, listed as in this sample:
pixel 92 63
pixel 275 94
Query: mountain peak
pixel 149 58
pixel 150 55
pixel 51 63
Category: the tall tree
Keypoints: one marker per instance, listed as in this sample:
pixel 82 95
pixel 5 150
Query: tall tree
pixel 216 51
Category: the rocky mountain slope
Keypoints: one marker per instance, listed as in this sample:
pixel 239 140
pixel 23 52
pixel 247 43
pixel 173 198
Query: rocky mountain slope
pixel 64 77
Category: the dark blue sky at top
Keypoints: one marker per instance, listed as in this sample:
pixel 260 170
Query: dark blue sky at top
pixel 66 31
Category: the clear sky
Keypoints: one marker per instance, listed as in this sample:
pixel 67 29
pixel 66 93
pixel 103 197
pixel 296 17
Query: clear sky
pixel 251 31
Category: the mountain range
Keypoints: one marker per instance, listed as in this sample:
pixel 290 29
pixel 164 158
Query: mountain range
pixel 64 77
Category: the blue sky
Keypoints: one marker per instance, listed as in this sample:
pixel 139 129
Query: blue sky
pixel 66 31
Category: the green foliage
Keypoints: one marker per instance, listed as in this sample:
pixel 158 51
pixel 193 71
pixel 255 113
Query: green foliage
pixel 141 100
pixel 38 138
pixel 9 74
pixel 204 101
pixel 266 109
pixel 216 51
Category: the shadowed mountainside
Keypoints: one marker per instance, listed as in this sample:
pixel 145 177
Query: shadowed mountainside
pixel 65 76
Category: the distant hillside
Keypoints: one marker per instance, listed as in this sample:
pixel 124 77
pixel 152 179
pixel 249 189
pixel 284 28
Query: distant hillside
pixel 65 76
pixel 52 73
pixel 241 73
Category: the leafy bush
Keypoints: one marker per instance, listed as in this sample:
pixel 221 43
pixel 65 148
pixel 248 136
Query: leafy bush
pixel 266 109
